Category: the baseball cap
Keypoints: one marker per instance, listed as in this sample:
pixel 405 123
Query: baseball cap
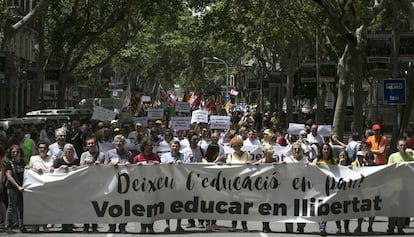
pixel 268 132
pixel 158 122
pixel 101 125
pixel 376 127
pixel 117 130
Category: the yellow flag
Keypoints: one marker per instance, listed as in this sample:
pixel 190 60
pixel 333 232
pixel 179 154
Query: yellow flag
pixel 227 105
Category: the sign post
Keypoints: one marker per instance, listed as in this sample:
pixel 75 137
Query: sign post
pixel 395 91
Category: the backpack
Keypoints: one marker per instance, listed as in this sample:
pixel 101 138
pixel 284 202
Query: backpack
pixel 352 152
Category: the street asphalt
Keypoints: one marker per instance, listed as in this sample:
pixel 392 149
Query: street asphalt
pixel 278 229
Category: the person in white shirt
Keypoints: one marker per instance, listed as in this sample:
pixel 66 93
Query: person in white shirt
pixel 251 139
pixel 314 136
pixel 296 157
pixel 194 151
pixel 56 149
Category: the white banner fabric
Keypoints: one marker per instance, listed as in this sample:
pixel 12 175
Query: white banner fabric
pixel 281 192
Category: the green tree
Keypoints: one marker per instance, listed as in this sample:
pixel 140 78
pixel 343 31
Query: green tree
pixel 85 36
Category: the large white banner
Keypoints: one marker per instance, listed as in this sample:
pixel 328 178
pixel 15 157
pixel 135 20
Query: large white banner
pixel 281 192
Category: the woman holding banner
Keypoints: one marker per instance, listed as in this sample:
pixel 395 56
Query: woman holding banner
pixel 325 157
pixel 297 156
pixel 146 157
pixel 268 152
pixel 238 157
pixel 343 160
pixel 14 184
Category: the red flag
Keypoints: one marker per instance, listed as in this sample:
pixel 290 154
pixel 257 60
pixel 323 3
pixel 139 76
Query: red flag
pixel 234 92
pixel 209 104
pixel 196 102
pixel 186 97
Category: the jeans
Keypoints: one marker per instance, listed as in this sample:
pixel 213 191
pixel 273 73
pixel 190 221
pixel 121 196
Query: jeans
pixel 15 199
pixel 322 225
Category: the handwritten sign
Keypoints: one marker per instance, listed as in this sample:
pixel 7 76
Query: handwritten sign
pixel 142 120
pixel 220 122
pixel 180 123
pixel 199 116
pixel 155 113
pixel 183 107
pixel 295 128
pixel 325 130
pixel 102 114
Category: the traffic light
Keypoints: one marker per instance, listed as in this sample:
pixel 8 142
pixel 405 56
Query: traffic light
pixel 203 62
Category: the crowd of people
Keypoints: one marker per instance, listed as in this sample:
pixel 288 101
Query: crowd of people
pixel 112 143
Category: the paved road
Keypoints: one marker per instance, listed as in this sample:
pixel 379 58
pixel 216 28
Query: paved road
pixel 278 229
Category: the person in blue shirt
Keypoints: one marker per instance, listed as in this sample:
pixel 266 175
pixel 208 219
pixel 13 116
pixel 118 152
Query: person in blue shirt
pixel 174 157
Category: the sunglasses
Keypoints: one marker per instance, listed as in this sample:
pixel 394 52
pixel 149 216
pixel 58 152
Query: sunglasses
pixel 236 146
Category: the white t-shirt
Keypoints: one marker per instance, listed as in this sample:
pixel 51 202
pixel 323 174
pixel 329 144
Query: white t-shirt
pixel 290 159
pixel 40 163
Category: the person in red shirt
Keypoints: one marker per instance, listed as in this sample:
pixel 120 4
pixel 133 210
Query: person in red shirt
pixel 378 145
pixel 409 139
pixel 146 157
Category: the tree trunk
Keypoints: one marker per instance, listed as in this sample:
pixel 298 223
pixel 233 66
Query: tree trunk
pixel 406 114
pixel 12 76
pixel 358 102
pixel 63 81
pixel 37 101
pixel 289 92
pixel 344 71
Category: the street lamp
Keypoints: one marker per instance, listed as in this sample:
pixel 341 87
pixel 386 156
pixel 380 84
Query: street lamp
pixel 227 73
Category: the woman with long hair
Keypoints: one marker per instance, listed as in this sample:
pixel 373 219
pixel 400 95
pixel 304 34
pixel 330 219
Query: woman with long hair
pixel 238 157
pixel 14 174
pixel 146 157
pixel 325 157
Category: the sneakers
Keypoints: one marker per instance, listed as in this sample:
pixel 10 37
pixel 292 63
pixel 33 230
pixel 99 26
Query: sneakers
pixel 245 229
pixel 215 227
pixel 45 228
pixel 179 229
pixel 9 230
pixel 190 225
pixel 390 231
pixel 338 231
pixel 151 230
pixel 322 232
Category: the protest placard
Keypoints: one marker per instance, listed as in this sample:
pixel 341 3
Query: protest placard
pixel 220 122
pixel 180 123
pixel 199 116
pixel 103 114
pixel 183 107
pixel 155 113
